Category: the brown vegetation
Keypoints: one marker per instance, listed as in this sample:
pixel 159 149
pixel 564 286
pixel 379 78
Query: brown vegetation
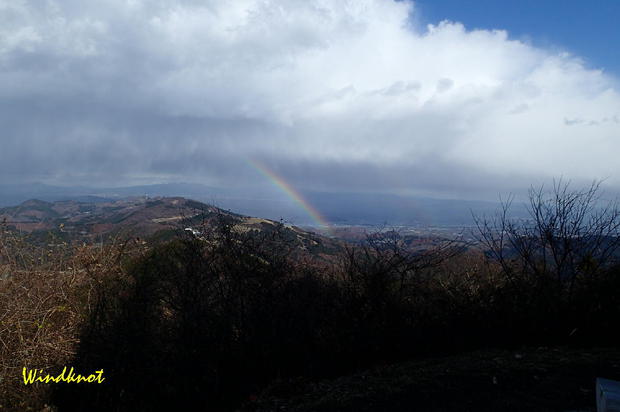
pixel 212 319
pixel 46 295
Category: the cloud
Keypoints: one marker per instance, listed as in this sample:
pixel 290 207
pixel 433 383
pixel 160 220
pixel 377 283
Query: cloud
pixel 119 90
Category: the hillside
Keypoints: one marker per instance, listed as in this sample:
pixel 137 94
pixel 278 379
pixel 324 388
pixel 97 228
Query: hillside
pixel 250 313
pixel 148 218
pixel 81 219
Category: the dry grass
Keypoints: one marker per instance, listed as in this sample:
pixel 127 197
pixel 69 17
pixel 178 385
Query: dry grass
pixel 46 294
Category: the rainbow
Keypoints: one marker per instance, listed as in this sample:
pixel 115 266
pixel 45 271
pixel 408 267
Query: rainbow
pixel 291 192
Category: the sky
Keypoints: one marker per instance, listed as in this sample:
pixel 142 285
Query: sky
pixel 462 99
pixel 587 29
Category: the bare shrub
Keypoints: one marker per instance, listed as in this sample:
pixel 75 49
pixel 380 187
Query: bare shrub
pixel 46 294
pixel 556 261
pixel 569 236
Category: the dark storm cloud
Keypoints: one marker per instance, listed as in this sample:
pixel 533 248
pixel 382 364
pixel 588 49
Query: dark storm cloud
pixel 332 95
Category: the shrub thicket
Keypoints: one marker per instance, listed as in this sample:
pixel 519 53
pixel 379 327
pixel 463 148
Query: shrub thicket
pixel 46 296
pixel 204 322
pixel 213 320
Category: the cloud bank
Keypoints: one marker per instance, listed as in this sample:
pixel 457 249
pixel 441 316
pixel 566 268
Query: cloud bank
pixel 334 95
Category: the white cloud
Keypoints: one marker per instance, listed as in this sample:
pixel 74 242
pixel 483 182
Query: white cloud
pixel 331 82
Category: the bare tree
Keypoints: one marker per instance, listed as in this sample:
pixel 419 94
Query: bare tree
pixel 570 235
pixel 384 260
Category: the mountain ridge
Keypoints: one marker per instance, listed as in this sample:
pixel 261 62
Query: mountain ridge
pixel 154 219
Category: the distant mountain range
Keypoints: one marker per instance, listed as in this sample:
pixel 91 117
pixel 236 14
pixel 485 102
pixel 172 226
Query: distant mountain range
pixel 337 208
pixel 13 194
